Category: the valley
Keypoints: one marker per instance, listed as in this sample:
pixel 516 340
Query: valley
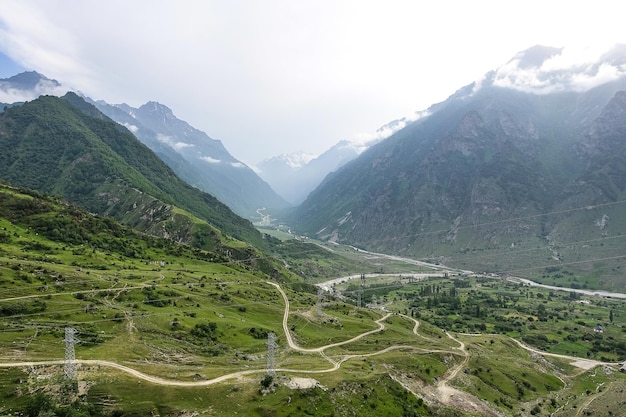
pixel 470 264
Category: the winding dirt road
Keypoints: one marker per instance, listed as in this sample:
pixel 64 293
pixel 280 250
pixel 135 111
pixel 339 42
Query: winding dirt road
pixel 336 364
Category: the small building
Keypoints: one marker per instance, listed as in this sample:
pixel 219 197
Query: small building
pixel 598 329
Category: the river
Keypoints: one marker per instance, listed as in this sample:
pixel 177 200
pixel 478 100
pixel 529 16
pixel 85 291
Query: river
pixel 441 271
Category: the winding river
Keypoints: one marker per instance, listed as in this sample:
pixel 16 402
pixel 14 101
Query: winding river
pixel 441 271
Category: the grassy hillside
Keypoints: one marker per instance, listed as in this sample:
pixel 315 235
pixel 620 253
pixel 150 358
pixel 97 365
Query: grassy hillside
pixel 171 330
pixel 66 147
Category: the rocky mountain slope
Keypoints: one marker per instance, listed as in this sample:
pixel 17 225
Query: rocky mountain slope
pixel 500 164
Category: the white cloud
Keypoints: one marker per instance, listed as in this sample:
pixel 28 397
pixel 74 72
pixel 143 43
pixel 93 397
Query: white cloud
pixel 130 127
pixel 570 70
pixel 368 139
pixel 169 140
pixel 182 145
pixel 165 139
pixel 237 164
pixel 303 75
pixel 210 160
pixel 44 87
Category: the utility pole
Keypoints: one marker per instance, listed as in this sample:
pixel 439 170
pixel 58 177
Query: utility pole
pixel 271 346
pixel 69 369
pixel 320 298
pixel 360 291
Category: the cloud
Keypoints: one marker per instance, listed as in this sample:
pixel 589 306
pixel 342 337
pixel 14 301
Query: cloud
pixel 210 160
pixel 165 139
pixel 169 140
pixel 181 145
pixel 574 69
pixel 285 65
pixel 47 87
pixel 33 39
pixel 238 165
pixel 132 128
pixel 368 139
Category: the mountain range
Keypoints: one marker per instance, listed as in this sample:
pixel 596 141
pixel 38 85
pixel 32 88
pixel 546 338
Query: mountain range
pixel 528 161
pixel 294 176
pixel 195 157
pixel 66 147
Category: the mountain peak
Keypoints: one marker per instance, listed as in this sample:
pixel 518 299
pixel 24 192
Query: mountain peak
pixel 28 80
pixel 27 86
pixel 156 107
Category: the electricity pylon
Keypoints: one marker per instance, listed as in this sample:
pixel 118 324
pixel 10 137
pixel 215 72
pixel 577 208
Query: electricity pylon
pixel 271 346
pixel 69 369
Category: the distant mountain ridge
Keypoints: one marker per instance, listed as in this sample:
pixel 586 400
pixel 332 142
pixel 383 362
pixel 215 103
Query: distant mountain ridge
pixel 482 169
pixel 294 177
pixel 294 181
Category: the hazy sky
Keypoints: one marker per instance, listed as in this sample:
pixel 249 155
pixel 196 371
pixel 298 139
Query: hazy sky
pixel 277 76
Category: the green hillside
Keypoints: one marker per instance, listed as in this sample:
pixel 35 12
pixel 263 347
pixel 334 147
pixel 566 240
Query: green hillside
pixel 66 147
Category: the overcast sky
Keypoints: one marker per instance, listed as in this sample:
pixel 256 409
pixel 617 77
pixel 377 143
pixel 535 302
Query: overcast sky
pixel 276 76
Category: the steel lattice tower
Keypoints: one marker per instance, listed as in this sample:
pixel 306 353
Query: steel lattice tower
pixel 360 291
pixel 271 346
pixel 69 369
pixel 320 298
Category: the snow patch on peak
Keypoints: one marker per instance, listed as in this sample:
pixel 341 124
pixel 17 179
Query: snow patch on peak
pixel 293 160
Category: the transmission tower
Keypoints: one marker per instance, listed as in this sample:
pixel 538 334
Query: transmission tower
pixel 271 346
pixel 320 298
pixel 360 291
pixel 69 369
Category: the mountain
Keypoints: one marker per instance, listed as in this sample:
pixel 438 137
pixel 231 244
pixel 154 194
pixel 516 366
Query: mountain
pixel 294 176
pixel 66 147
pixel 506 163
pixel 195 157
pixel 294 182
pixel 198 159
pixel 28 86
